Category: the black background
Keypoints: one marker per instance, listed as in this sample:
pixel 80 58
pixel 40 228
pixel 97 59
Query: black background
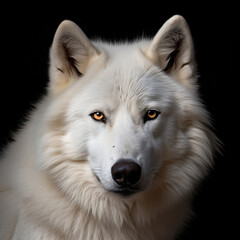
pixel 26 35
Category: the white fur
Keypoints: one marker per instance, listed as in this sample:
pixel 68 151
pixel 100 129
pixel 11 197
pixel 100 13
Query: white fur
pixel 55 179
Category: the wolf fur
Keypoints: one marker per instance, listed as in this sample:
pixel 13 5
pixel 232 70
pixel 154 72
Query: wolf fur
pixel 55 178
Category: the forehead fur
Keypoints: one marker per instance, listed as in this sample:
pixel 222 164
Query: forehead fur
pixel 127 76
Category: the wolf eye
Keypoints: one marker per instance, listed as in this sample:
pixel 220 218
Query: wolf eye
pixel 151 115
pixel 98 116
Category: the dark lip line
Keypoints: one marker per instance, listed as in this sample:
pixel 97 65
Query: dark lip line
pixel 126 191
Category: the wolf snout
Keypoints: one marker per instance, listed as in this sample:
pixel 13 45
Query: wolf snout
pixel 125 172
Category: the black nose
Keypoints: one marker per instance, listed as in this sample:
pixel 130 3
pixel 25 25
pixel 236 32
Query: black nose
pixel 126 172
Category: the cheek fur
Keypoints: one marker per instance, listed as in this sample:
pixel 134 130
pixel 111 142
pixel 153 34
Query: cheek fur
pixel 75 140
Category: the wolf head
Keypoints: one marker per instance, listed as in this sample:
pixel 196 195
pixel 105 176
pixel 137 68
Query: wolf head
pixel 125 117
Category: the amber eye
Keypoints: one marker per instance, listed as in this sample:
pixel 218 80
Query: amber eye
pixel 151 115
pixel 98 116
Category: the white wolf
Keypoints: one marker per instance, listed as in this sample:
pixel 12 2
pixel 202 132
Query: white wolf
pixel 116 148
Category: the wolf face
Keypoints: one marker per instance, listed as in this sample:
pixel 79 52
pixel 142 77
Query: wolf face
pixel 127 108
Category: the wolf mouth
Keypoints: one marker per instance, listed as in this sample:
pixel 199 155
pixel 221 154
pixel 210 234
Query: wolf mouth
pixel 126 191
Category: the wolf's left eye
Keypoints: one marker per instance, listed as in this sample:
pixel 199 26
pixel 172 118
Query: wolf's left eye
pixel 98 116
pixel 151 115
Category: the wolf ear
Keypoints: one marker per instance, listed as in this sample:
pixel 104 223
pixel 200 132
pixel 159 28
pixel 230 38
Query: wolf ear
pixel 172 50
pixel 70 55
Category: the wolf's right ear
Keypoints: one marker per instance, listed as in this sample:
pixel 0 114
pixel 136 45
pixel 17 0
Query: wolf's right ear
pixel 70 55
pixel 172 50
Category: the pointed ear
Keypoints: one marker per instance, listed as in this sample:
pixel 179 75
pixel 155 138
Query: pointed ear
pixel 70 55
pixel 172 50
